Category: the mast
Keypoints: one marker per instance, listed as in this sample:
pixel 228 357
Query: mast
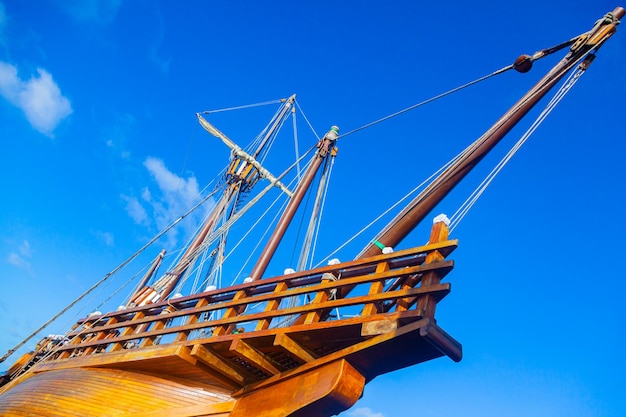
pixel 242 174
pixel 419 208
pixel 325 148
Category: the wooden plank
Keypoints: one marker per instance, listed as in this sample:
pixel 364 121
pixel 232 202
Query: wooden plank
pixel 378 327
pixel 216 363
pixel 104 359
pixel 195 410
pixel 294 348
pixel 102 392
pixel 254 356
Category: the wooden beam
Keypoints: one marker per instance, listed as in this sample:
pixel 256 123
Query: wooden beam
pixel 428 303
pixel 254 356
pixel 376 288
pixel 192 319
pixel 132 325
pixel 272 305
pixel 340 354
pixel 216 363
pixel 294 348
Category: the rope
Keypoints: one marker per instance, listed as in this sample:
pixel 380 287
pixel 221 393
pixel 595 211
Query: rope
pixel 295 145
pixel 437 97
pixel 383 214
pixel 319 222
pixel 246 106
pixel 471 200
pixel 307 120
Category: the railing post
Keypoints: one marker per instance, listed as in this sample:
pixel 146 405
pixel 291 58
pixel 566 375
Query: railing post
pixel 376 288
pixel 194 318
pixel 439 233
pixel 272 305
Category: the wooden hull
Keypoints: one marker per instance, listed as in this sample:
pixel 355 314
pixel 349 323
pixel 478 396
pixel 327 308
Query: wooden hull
pixel 111 392
pixel 173 359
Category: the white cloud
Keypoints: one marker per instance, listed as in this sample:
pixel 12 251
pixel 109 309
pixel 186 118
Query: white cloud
pixel 24 249
pixel 115 135
pixel 173 196
pixel 363 412
pixel 135 210
pixel 106 237
pixel 178 193
pixel 153 52
pixel 18 260
pixel 39 98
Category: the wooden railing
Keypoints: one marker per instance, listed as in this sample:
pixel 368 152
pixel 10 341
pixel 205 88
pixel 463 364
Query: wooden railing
pixel 380 285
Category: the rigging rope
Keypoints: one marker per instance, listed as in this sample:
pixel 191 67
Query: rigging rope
pixel 307 120
pixel 465 207
pixel 295 145
pixel 321 211
pixel 471 200
pixel 536 56
pixel 383 214
pixel 247 106
pixel 437 97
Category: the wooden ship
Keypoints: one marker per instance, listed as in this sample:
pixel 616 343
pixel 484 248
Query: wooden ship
pixel 246 350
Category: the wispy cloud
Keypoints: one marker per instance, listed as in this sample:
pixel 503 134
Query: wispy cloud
pixel 101 12
pixel 18 258
pixel 153 52
pixel 364 412
pixel 106 237
pixel 173 196
pixel 178 192
pixel 135 210
pixel 38 97
pixel 115 135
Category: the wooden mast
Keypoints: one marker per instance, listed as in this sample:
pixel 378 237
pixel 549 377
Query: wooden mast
pixel 419 208
pixel 242 174
pixel 325 146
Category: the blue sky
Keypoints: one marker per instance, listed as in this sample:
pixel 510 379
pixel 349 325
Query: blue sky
pixel 101 148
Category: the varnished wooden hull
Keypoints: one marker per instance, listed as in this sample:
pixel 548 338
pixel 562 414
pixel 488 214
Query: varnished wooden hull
pixel 111 392
pixel 148 361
